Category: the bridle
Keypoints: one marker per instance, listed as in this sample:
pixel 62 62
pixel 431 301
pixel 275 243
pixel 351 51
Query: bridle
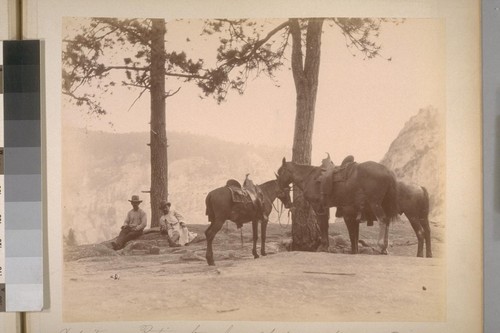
pixel 282 205
pixel 280 209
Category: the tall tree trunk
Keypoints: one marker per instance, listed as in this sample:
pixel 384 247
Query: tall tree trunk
pixel 305 230
pixel 158 135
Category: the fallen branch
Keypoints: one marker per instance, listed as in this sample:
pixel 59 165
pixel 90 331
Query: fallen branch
pixel 229 310
pixel 349 274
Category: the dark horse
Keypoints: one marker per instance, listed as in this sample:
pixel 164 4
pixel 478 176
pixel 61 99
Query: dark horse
pixel 368 183
pixel 413 201
pixel 220 208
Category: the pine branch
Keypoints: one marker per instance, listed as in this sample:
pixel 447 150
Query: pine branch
pixel 234 62
pixel 138 97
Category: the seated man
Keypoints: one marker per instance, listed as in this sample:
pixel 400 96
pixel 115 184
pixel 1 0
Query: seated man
pixel 134 224
pixel 172 225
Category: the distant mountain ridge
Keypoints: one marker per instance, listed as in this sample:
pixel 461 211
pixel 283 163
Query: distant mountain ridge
pixel 102 170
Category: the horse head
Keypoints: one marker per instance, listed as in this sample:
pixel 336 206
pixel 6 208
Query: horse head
pixel 283 194
pixel 284 175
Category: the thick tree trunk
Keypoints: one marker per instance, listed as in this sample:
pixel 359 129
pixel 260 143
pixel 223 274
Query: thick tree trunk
pixel 305 230
pixel 158 135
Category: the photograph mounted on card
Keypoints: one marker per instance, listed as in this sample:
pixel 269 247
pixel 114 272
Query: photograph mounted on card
pixel 220 117
pixel 224 167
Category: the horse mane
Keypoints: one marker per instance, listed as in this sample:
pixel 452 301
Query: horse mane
pixel 268 186
pixel 303 168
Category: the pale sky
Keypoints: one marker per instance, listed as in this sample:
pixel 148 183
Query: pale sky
pixel 361 104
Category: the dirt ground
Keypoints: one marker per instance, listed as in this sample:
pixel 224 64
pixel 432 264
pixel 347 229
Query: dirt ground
pixel 177 283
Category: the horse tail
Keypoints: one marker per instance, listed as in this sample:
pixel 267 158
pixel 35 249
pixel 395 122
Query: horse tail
pixel 425 206
pixel 390 202
pixel 209 208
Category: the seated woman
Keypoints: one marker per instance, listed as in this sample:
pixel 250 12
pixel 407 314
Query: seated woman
pixel 172 225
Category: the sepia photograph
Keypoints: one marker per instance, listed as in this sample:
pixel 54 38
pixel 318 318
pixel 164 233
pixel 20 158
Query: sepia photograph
pixel 254 169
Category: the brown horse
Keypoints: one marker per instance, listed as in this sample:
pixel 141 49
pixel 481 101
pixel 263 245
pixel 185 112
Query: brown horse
pixel 220 208
pixel 413 201
pixel 364 183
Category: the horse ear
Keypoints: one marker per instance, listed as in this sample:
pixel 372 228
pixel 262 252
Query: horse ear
pixel 284 161
pixel 276 175
pixel 328 156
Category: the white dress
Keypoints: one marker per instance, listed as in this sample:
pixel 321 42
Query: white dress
pixel 176 227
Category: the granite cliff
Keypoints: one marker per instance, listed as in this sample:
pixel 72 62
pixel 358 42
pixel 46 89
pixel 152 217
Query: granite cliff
pixel 417 156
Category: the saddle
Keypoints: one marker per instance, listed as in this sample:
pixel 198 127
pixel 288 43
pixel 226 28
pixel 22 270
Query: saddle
pixel 342 173
pixel 237 192
pixel 331 176
pixel 334 176
pixel 249 193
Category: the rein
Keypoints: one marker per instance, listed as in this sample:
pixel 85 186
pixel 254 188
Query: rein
pixel 270 193
pixel 280 212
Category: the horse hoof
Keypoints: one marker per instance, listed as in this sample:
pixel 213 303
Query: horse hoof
pixel 255 256
pixel 211 264
pixel 263 254
pixel 384 252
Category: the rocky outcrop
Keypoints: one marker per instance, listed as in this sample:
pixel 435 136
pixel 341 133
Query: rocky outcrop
pixel 417 156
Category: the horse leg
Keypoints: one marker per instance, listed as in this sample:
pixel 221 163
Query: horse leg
pixel 419 232
pixel 210 233
pixel 209 253
pixel 383 237
pixel 427 235
pixel 352 224
pixel 263 231
pixel 323 227
pixel 353 228
pixel 383 222
pixel 255 227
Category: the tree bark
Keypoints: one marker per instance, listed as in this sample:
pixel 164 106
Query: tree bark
pixel 305 230
pixel 158 134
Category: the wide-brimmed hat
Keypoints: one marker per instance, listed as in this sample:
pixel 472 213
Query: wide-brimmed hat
pixel 164 203
pixel 135 198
